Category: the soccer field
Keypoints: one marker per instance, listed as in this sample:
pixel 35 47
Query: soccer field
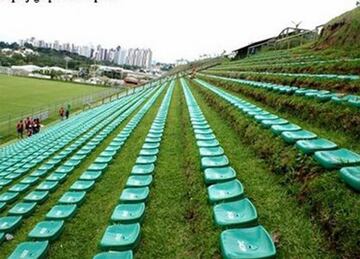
pixel 21 96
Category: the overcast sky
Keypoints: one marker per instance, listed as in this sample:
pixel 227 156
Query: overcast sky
pixel 173 29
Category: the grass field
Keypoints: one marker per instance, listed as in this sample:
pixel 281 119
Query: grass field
pixel 21 96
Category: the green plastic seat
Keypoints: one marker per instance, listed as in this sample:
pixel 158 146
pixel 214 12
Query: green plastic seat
pixel 128 213
pixel 156 131
pixel 351 176
pixel 61 212
pixel 332 159
pixel 31 180
pixel 53 161
pixel 12 176
pixel 292 136
pixel 121 237
pixel 47 230
pixel 145 160
pixel 205 136
pixel 39 173
pixel 19 187
pixel 149 152
pixel 108 153
pixel 30 250
pixel 201 126
pixel 64 169
pixel 73 198
pixel 4 182
pixel 154 135
pixel 152 140
pixel 134 195
pixel 313 145
pixel 8 197
pixel 211 151
pixel 139 181
pixel 143 169
pixel 22 209
pixel 207 143
pixel 203 131
pixel 219 175
pixel 214 161
pixel 9 223
pixel 252 242
pixel 72 162
pixel 37 196
pixel 56 177
pixel 114 255
pixel 102 159
pixel 260 118
pixel 47 186
pixel 268 123
pixel 227 191
pixel 81 185
pixel 97 167
pixel 90 175
pixel 150 145
pixel 240 213
pixel 278 129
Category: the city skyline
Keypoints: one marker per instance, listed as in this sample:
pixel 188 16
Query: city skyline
pixel 140 57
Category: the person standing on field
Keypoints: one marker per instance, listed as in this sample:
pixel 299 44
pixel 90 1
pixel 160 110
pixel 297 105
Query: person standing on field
pixel 62 113
pixel 20 129
pixel 67 112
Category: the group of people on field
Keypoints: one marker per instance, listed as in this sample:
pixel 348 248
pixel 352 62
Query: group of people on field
pixel 64 114
pixel 29 127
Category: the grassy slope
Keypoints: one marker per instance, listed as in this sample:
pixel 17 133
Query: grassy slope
pixel 22 94
pixel 178 220
pixel 342 31
pixel 315 119
pixel 28 224
pixel 278 212
pixel 327 201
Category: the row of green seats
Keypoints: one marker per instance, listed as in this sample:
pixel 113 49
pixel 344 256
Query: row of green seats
pixel 50 184
pixel 50 229
pixel 289 64
pixel 320 95
pixel 9 177
pixel 13 153
pixel 242 237
pixel 123 234
pixel 306 75
pixel 66 168
pixel 15 150
pixel 324 151
pixel 42 149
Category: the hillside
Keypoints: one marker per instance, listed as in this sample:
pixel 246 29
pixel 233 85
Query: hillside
pixel 342 31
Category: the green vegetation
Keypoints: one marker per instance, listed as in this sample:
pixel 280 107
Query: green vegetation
pixel 46 57
pixel 342 32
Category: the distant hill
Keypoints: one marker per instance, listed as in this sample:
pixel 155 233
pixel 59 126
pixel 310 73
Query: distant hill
pixel 342 32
